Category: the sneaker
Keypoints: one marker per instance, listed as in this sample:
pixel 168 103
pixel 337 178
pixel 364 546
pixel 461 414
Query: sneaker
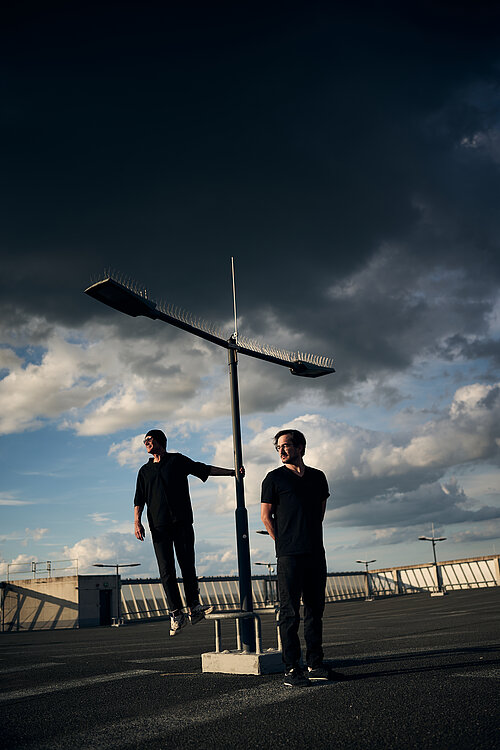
pixel 177 622
pixel 318 673
pixel 295 677
pixel 196 614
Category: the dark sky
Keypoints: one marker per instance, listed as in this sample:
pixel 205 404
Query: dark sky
pixel 303 139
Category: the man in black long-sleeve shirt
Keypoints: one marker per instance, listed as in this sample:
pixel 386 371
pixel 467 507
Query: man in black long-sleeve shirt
pixel 162 485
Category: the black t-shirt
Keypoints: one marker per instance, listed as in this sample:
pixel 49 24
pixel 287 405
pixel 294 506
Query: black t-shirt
pixel 297 509
pixel 164 488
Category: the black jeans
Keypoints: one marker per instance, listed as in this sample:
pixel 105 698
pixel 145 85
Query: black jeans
pixel 180 536
pixel 302 576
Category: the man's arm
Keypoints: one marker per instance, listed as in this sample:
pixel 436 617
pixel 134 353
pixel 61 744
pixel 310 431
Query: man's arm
pixel 218 471
pixel 139 530
pixel 323 510
pixel 266 514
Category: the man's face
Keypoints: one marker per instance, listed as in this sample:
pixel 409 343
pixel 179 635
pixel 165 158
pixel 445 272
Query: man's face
pixel 151 444
pixel 289 454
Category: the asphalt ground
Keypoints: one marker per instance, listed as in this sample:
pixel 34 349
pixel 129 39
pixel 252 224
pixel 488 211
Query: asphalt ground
pixel 422 673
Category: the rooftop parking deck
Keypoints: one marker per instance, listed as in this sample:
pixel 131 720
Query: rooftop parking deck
pixel 423 673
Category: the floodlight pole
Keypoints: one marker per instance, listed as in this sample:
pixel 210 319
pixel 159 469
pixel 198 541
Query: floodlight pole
pixel 366 563
pixel 136 302
pixel 434 539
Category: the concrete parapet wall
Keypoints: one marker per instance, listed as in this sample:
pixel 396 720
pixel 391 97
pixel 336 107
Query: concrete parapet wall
pixel 41 604
pixel 54 603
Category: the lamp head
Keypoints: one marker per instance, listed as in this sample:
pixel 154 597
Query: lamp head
pixel 121 298
pixel 308 370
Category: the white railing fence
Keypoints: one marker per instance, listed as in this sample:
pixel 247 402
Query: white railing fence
pixel 145 598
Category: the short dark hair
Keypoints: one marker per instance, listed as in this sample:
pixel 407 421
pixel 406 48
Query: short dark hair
pixel 159 436
pixel 297 437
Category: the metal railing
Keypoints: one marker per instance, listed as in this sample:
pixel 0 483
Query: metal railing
pixel 145 598
pixel 142 599
pixel 47 568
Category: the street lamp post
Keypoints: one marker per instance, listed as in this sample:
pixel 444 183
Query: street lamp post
pixel 268 588
pixel 132 300
pixel 268 565
pixel 434 539
pixel 118 586
pixel 366 563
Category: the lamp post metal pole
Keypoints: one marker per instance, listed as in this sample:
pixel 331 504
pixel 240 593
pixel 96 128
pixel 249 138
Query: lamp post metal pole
pixel 241 515
pixel 369 597
pixel 434 539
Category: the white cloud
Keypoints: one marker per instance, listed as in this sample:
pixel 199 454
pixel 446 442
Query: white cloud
pixel 29 535
pixel 34 535
pixel 120 527
pixel 112 547
pixel 18 568
pixel 383 479
pixel 96 381
pixel 118 547
pixel 469 432
pixel 99 518
pixel 129 452
pixel 7 498
pixel 217 562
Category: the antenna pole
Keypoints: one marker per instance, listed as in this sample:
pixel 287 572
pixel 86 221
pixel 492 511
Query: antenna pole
pixel 234 303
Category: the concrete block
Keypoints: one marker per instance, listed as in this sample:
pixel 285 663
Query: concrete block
pixel 239 662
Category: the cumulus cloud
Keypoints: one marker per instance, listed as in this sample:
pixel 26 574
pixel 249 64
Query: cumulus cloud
pixel 470 431
pixel 211 561
pixel 118 547
pixel 112 547
pixel 129 452
pixel 18 568
pixel 97 383
pixel 380 478
pixel 429 502
pixel 34 535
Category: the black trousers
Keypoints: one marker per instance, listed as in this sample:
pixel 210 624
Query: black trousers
pixel 302 576
pixel 181 537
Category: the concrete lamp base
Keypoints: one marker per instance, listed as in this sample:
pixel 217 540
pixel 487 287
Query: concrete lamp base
pixel 239 662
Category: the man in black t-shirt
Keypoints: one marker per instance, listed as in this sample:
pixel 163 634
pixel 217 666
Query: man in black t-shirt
pixel 162 485
pixel 293 503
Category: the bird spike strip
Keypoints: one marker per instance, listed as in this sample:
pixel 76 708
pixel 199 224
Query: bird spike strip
pixel 201 325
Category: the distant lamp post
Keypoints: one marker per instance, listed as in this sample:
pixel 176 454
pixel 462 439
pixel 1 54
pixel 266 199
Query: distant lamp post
pixel 434 539
pixel 368 588
pixel 269 595
pixel 117 619
pixel 269 567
